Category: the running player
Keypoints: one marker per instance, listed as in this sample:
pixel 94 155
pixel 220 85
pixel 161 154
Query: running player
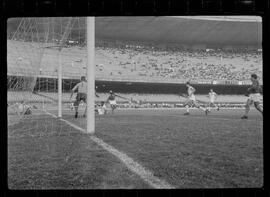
pixel 111 100
pixel 212 96
pixel 191 100
pixel 254 93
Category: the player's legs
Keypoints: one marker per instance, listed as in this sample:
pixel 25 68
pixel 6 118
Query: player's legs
pixel 113 106
pixel 256 100
pixel 187 105
pixel 247 108
pixel 76 104
pixel 84 99
pixel 196 104
pixel 211 105
pixel 28 111
pixel 85 111
pixel 258 107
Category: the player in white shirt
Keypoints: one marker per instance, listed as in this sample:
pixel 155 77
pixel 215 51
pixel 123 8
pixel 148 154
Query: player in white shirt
pixel 191 100
pixel 212 97
pixel 112 101
pixel 101 109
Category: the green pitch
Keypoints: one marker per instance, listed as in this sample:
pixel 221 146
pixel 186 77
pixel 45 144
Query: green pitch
pixel 215 151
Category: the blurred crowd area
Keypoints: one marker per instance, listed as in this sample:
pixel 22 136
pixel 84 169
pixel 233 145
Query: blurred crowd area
pixel 140 62
pixel 179 63
pixel 175 105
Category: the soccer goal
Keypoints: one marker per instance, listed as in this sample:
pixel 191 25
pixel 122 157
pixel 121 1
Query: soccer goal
pixel 46 58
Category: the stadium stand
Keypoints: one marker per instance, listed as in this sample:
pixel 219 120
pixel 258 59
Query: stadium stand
pixel 142 61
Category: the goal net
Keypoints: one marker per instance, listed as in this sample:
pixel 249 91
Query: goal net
pixel 35 49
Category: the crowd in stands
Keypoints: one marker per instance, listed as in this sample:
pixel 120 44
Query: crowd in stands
pixel 180 63
pixel 175 105
pixel 138 61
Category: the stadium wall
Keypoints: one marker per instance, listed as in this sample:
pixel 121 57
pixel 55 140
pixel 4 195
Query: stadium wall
pixel 147 88
pixel 168 88
pixel 104 86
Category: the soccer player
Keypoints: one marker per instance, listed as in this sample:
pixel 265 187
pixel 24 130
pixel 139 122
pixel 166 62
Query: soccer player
pixel 101 109
pixel 81 89
pixel 24 109
pixel 191 100
pixel 254 93
pixel 212 96
pixel 111 100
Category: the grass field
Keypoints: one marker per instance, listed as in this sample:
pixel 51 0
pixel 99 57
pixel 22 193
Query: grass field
pixel 197 151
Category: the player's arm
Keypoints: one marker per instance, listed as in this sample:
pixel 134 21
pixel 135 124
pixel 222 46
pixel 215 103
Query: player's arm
pixel 183 95
pixel 73 90
pixel 121 97
pixel 107 100
pixel 116 95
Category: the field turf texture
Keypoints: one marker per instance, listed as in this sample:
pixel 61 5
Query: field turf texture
pixel 196 151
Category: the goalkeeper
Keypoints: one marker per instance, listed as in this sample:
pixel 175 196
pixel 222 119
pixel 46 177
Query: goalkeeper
pixel 81 89
pixel 254 94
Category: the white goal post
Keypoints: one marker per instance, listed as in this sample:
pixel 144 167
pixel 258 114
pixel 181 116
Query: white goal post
pixel 90 74
pixel 90 29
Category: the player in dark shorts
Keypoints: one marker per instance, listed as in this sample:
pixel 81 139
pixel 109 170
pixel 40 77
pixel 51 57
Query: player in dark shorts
pixel 81 89
pixel 254 93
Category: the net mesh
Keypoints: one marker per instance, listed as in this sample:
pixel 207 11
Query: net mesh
pixel 35 48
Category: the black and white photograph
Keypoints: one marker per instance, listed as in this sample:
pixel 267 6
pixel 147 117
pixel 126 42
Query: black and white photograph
pixel 135 102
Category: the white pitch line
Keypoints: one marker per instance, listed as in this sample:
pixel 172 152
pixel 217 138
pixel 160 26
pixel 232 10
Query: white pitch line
pixel 133 166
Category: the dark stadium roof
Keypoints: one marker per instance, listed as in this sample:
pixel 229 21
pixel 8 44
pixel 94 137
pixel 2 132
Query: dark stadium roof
pixel 188 30
pixel 205 30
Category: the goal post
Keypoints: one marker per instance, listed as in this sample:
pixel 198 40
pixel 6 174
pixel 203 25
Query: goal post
pixel 90 25
pixel 59 84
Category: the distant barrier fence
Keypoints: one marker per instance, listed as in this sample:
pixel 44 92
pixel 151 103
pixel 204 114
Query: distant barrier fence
pixel 72 78
pixel 177 105
pixel 140 87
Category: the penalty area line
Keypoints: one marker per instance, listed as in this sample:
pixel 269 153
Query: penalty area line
pixel 145 174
